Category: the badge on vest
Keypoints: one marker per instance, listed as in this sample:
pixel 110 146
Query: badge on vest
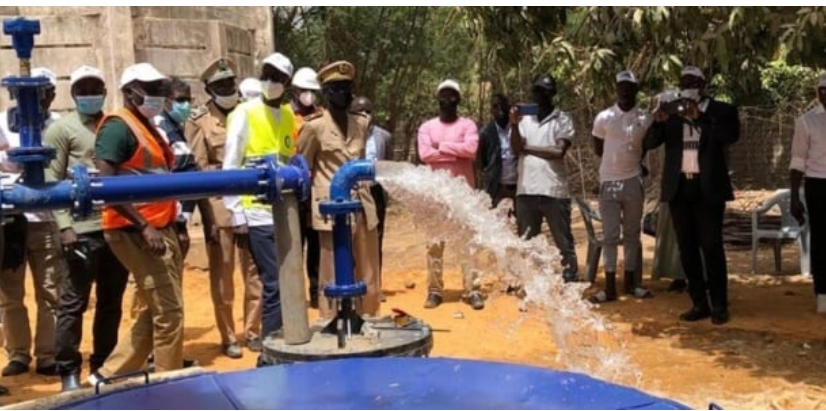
pixel 288 141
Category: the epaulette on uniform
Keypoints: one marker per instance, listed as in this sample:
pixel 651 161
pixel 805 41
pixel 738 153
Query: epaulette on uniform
pixel 314 116
pixel 198 112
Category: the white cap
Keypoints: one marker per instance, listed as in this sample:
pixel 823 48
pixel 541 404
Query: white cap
pixel 306 78
pixel 822 82
pixel 626 75
pixel 280 62
pixel 84 72
pixel 44 72
pixel 692 71
pixel 250 87
pixel 449 84
pixel 143 72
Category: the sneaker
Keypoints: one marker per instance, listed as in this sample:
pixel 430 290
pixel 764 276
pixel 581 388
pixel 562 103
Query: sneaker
pixel 602 297
pixel 433 301
pixel 254 345
pixel 95 378
pixel 642 293
pixel 232 350
pixel 476 301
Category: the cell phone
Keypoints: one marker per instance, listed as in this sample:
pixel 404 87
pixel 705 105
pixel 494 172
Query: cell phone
pixel 673 108
pixel 526 109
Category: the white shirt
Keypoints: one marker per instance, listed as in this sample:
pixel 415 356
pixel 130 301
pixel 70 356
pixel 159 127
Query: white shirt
pixel 622 133
pixel 12 171
pixel 236 146
pixel 509 160
pixel 691 144
pixel 538 176
pixel 809 143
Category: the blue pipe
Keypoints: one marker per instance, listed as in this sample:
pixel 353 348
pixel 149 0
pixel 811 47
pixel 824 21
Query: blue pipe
pixel 267 180
pixel 340 206
pixel 28 115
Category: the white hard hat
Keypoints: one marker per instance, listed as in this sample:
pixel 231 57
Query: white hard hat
pixel 44 72
pixel 306 78
pixel 279 62
pixel 84 72
pixel 143 72
pixel 250 87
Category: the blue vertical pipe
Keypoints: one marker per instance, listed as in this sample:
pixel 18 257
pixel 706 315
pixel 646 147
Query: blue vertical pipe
pixel 340 206
pixel 28 115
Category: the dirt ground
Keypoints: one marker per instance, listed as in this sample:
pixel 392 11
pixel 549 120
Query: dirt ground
pixel 771 354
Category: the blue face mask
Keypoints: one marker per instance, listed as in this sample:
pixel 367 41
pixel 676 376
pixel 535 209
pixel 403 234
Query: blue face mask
pixel 179 111
pixel 89 105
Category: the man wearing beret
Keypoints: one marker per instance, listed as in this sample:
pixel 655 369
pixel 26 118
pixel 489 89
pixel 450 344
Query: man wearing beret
pixel 328 140
pixel 206 134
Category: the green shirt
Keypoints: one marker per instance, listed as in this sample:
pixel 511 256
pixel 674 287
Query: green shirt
pixel 115 143
pixel 73 137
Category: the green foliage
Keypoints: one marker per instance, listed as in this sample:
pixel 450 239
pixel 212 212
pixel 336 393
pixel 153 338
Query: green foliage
pixel 400 54
pixel 752 55
pixel 786 86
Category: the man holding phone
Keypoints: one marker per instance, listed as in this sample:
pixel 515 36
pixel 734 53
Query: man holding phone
pixel 540 141
pixel 696 185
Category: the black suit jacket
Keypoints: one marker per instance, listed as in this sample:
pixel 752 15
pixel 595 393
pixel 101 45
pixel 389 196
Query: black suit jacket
pixel 719 128
pixel 489 158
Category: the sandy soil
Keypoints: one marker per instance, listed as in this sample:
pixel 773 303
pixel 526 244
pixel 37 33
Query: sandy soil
pixel 771 355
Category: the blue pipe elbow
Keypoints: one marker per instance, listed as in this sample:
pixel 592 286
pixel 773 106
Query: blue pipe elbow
pixel 348 176
pixel 22 32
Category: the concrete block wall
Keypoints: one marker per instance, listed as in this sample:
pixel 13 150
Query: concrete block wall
pixel 179 41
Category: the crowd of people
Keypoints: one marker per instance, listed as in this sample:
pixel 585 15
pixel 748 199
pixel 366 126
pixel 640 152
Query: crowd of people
pixel 281 112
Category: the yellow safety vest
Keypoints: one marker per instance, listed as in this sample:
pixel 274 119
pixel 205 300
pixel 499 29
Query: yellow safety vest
pixel 267 137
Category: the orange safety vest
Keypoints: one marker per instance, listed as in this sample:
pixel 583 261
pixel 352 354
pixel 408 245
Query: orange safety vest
pixel 153 156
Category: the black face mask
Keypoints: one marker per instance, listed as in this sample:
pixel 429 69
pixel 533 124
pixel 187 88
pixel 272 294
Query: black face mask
pixel 448 105
pixel 340 99
pixel 543 98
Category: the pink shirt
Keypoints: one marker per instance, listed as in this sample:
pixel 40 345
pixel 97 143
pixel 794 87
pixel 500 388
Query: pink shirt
pixel 457 144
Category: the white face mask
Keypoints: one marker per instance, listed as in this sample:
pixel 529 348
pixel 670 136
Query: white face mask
pixel 152 106
pixel 271 90
pixel 307 98
pixel 691 94
pixel 227 102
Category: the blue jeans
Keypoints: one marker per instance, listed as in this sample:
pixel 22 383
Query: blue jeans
pixel 262 248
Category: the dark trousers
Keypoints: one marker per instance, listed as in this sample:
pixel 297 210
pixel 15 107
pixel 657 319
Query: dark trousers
pixel 309 240
pixel 698 224
pixel 531 210
pixel 380 197
pixel 816 209
pixel 102 267
pixel 503 191
pixel 262 248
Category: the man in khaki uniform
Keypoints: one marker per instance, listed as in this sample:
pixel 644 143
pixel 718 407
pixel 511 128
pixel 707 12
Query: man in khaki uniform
pixel 206 134
pixel 327 147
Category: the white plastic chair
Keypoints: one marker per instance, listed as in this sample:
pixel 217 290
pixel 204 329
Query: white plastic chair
pixel 789 230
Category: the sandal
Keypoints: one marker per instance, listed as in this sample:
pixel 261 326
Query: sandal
pixel 643 293
pixel 601 297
